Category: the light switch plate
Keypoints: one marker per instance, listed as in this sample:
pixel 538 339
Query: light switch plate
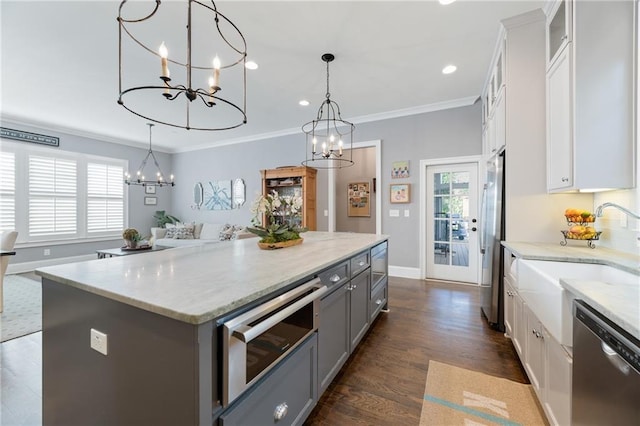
pixel 394 213
pixel 406 213
pixel 98 341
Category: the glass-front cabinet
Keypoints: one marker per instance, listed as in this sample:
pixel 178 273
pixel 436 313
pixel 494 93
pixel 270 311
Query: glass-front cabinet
pixel 558 30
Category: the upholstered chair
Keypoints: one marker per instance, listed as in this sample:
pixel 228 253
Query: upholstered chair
pixel 7 241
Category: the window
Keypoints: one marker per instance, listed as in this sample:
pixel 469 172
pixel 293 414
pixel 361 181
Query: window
pixel 7 191
pixel 49 195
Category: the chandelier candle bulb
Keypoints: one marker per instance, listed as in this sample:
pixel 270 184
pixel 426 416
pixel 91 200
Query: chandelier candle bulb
pixel 216 72
pixel 164 54
pixel 314 141
pixel 340 146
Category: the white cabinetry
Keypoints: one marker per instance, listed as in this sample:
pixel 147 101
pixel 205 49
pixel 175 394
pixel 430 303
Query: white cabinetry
pixel 514 324
pixel 534 353
pixel 559 367
pixel 591 54
pixel 494 132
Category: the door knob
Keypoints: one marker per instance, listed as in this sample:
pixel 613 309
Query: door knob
pixel 474 220
pixel 474 229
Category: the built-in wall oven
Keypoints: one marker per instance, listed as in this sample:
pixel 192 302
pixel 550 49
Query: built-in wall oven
pixel 255 341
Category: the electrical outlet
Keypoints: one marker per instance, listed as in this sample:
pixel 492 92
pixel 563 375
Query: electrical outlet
pixel 98 341
pixel 406 213
pixel 47 252
pixel 326 213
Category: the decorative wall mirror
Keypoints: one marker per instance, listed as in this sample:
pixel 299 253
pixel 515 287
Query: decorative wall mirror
pixel 198 195
pixel 238 192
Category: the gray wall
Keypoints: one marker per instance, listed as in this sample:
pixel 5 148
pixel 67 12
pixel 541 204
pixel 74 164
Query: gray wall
pixel 139 215
pixel 447 133
pixel 363 170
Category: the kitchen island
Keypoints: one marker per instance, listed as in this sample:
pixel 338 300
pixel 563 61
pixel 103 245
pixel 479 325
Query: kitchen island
pixel 161 313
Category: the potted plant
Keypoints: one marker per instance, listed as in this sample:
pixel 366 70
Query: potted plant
pixel 162 218
pixel 131 237
pixel 281 227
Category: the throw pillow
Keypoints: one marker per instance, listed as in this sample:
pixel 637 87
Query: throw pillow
pixel 210 231
pixel 171 232
pixel 197 230
pixel 226 232
pixel 183 233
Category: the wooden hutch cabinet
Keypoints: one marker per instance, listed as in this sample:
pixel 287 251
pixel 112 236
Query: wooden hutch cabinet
pixel 298 181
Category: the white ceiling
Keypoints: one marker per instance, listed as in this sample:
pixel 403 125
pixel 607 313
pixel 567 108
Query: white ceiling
pixel 60 62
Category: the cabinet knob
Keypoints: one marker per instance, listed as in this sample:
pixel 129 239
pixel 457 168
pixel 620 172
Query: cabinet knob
pixel 378 302
pixel 361 263
pixel 334 278
pixel 281 411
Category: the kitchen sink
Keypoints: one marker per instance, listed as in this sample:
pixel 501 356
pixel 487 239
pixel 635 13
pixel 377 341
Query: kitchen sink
pixel 539 286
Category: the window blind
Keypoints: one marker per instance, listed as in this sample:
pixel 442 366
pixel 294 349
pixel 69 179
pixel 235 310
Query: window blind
pixel 105 198
pixel 52 196
pixel 7 191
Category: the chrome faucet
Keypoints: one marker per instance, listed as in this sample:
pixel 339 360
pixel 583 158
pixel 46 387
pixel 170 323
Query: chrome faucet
pixel 627 212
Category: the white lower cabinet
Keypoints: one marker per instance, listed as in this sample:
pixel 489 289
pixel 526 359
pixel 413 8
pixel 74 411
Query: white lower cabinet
pixel 515 326
pixel 547 364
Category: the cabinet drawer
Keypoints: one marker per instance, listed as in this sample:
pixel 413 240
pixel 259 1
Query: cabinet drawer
pixel 359 263
pixel 378 299
pixel 286 397
pixel 335 276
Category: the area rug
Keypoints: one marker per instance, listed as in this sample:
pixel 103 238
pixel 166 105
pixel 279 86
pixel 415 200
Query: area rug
pixel 456 396
pixel 22 312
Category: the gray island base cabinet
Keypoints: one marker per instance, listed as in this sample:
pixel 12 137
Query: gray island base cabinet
pixel 163 364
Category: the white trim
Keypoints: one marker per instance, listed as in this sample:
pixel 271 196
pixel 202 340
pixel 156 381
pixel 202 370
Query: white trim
pixel 19 268
pixel 404 272
pixel 422 260
pixel 331 186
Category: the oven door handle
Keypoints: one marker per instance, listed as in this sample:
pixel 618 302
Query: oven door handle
pixel 247 333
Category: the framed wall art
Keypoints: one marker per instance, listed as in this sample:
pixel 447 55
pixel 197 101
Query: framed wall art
pixel 400 193
pixel 218 195
pixel 149 189
pixel 150 201
pixel 359 199
pixel 400 169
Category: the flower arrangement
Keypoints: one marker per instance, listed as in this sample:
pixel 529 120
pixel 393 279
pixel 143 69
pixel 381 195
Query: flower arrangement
pixel 131 234
pixel 282 217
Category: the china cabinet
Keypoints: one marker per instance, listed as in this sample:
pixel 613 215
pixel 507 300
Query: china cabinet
pixel 294 181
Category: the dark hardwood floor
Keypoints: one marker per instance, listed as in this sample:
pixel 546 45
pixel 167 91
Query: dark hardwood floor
pixel 383 381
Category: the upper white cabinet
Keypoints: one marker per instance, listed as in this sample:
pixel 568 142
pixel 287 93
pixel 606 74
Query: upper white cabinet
pixel 493 105
pixel 591 53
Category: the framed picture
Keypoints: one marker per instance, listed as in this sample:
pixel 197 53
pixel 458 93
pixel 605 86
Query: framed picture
pixel 358 199
pixel 400 169
pixel 149 189
pixel 400 193
pixel 150 201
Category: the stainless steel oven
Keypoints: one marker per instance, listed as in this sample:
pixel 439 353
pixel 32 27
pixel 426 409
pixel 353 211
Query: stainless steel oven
pixel 255 341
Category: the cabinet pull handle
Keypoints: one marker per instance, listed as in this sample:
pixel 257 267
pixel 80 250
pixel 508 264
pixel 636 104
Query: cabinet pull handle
pixel 353 287
pixel 334 278
pixel 378 302
pixel 565 179
pixel 280 411
pixel 564 37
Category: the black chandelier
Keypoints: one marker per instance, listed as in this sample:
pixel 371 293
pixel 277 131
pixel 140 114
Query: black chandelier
pixel 141 179
pixel 328 135
pixel 210 111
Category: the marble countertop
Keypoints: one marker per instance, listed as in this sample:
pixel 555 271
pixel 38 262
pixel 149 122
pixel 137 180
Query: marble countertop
pixel 199 283
pixel 620 303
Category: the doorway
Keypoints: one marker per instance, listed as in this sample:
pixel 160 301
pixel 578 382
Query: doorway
pixel 450 222
pixel 365 169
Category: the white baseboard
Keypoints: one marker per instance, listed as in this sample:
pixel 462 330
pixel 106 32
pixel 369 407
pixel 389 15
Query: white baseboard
pixel 404 272
pixel 19 268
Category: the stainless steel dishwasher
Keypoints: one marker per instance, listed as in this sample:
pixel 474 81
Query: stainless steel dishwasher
pixel 606 371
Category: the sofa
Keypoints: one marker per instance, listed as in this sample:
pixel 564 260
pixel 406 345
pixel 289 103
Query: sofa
pixel 190 234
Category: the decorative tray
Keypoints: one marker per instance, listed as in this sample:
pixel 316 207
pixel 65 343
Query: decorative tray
pixel 588 237
pixel 125 248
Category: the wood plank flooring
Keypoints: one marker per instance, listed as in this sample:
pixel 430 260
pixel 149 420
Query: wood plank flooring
pixel 383 380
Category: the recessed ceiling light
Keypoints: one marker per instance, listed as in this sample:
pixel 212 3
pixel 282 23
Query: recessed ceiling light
pixel 449 69
pixel 446 2
pixel 304 102
pixel 250 65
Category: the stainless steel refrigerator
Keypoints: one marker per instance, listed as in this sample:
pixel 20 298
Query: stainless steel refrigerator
pixel 492 232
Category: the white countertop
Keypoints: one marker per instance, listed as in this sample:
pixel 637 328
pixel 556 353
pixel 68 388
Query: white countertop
pixel 197 284
pixel 620 303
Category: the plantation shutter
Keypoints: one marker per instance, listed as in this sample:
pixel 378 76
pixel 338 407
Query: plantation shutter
pixel 105 198
pixel 7 191
pixel 52 197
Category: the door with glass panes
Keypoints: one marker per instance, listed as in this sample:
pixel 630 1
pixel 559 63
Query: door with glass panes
pixel 452 226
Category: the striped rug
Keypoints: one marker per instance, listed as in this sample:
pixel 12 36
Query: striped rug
pixel 22 311
pixel 456 396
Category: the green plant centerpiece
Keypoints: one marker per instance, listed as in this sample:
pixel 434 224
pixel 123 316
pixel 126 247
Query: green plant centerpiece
pixel 131 237
pixel 277 220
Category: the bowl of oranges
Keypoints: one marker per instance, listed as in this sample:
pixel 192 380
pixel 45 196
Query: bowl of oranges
pixel 579 216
